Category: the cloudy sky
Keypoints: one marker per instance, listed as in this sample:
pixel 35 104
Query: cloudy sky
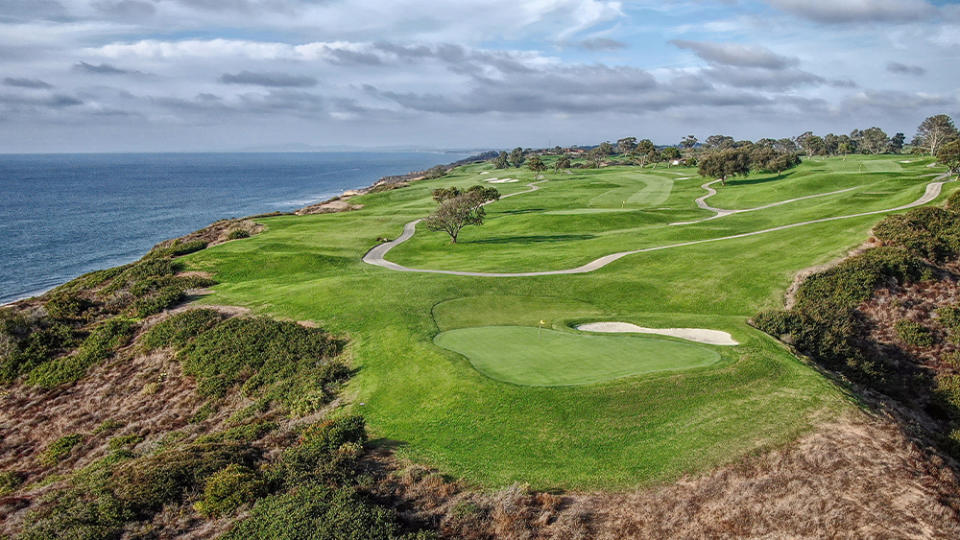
pixel 180 75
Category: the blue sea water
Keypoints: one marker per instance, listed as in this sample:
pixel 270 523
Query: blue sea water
pixel 65 215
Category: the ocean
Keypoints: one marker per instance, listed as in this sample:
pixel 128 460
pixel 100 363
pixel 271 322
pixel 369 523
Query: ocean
pixel 64 215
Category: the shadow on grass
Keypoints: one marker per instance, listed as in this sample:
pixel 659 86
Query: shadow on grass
pixel 533 239
pixel 390 444
pixel 761 180
pixel 523 211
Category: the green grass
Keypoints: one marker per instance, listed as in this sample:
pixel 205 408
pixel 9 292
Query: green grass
pixel 433 406
pixel 536 357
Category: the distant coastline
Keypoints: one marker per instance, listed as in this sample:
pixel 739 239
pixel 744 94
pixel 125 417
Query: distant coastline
pixel 110 209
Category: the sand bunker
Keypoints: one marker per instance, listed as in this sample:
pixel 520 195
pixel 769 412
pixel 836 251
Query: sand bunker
pixel 700 335
pixel 502 180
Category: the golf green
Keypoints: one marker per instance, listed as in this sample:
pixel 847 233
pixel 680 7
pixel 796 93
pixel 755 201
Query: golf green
pixel 534 357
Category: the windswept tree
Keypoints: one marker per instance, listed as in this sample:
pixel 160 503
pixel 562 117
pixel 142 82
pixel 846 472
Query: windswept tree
pixel 606 148
pixel 934 132
pixel 645 152
pixel 596 155
pixel 725 163
pixel 875 140
pixel 501 161
pixel 456 209
pixel 688 142
pixel 561 163
pixel 670 153
pixel 516 157
pixel 626 145
pixel 536 164
pixel 949 155
pixel 719 142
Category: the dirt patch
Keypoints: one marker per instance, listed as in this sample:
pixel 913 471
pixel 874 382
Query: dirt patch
pixel 339 204
pixel 700 335
pixel 859 478
pixel 216 233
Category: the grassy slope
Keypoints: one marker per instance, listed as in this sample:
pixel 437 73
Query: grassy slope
pixel 628 432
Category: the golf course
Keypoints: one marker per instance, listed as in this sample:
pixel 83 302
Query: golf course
pixel 468 358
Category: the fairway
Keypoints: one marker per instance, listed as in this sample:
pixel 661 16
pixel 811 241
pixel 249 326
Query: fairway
pixel 535 357
pixel 611 412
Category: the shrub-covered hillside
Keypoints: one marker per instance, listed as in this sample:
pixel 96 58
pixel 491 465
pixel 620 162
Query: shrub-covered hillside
pixel 889 319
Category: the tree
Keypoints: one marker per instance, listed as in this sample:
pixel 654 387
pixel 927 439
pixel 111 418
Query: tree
pixel 561 163
pixel 645 152
pixel 949 155
pixel 875 140
pixel 719 142
pixel 725 163
pixel 786 145
pixel 516 157
pixel 896 143
pixel 502 161
pixel 457 209
pixel 935 131
pixel 670 153
pixel 626 145
pixel 597 155
pixel 688 142
pixel 606 148
pixel 536 164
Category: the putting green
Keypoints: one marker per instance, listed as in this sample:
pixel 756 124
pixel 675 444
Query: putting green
pixel 532 357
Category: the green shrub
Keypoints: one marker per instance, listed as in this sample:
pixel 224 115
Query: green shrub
pixel 31 344
pixel 261 354
pixel 852 282
pixel 183 248
pixel 244 433
pixel 953 203
pixel 146 484
pixel 929 232
pixel 229 489
pixel 237 234
pixel 778 322
pixel 326 452
pixel 125 442
pixel 78 516
pixel 176 249
pixel 179 329
pixel 99 345
pixel 913 333
pixel 67 306
pixel 158 301
pixel 205 411
pixel 59 449
pixel 91 280
pixel 108 426
pixel 318 513
pixel 950 318
pixel 10 481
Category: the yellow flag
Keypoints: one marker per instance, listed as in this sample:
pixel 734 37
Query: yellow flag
pixel 543 322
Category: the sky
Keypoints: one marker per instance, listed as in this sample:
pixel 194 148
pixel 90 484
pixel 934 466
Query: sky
pixel 229 75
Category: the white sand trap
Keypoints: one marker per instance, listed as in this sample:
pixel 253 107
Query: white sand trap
pixel 700 335
pixel 502 180
pixel 906 161
pixel 484 172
